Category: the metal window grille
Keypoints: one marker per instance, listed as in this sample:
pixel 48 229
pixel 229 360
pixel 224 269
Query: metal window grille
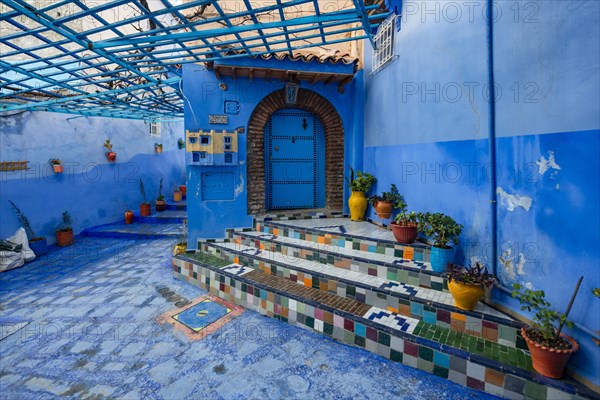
pixel 384 43
pixel 155 129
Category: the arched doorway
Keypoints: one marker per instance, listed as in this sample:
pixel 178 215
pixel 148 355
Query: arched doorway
pixel 333 147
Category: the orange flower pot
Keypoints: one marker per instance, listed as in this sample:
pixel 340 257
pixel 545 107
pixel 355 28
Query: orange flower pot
pixel 111 156
pixel 384 209
pixel 57 168
pixel 145 209
pixel 177 196
pixel 547 361
pixel 64 238
pixel 128 217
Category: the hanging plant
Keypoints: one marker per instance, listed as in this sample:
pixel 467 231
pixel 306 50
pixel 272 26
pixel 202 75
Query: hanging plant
pixel 111 156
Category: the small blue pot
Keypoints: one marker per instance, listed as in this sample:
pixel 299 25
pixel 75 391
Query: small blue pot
pixel 39 247
pixel 440 258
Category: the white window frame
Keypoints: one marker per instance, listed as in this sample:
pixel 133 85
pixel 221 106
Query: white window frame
pixel 155 129
pixel 383 52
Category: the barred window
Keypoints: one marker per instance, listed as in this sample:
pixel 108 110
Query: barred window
pixel 384 43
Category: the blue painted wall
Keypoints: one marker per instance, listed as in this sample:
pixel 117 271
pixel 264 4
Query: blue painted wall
pixel 92 190
pixel 209 219
pixel 426 129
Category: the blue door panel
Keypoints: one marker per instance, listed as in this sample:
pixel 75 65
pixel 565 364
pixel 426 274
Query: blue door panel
pixel 294 162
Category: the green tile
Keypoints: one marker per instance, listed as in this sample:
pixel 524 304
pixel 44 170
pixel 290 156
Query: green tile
pixel 328 328
pixel 535 391
pixel 359 340
pixel 507 333
pixel 383 338
pixel 395 355
pixel 425 353
pixel 440 371
pixel 392 274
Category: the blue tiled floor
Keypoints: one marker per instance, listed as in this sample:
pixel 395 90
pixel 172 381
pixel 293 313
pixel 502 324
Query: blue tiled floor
pixel 92 334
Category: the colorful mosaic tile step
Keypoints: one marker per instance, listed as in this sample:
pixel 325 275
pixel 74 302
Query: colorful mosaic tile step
pixel 380 331
pixel 334 230
pixel 416 273
pixel 419 303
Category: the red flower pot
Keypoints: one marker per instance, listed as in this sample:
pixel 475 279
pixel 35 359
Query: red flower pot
pixel 547 361
pixel 111 156
pixel 183 189
pixel 405 233
pixel 128 217
pixel 57 168
pixel 145 209
pixel 64 238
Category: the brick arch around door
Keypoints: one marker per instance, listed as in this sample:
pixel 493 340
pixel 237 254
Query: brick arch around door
pixel 334 146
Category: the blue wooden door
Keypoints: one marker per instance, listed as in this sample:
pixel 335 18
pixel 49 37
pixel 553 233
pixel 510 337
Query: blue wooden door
pixel 294 160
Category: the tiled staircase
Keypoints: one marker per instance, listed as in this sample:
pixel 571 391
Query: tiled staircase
pixel 352 281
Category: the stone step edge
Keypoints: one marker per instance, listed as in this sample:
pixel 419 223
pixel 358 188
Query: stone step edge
pixel 378 242
pixel 574 388
pixel 491 318
pixel 341 255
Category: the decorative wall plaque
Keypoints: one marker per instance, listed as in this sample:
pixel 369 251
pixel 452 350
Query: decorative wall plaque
pixel 216 119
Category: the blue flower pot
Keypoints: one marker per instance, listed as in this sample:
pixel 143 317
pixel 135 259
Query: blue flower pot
pixel 440 258
pixel 39 247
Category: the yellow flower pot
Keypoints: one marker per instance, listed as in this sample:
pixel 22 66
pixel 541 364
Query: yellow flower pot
pixel 358 205
pixel 465 296
pixel 177 196
pixel 179 248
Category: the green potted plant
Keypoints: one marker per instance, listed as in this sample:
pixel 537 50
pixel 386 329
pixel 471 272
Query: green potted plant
pixel 64 234
pixel 111 156
pixel 405 227
pixel 443 230
pixel 38 244
pixel 177 194
pixel 467 284
pixel 180 143
pixel 359 185
pixel 57 166
pixel 161 204
pixel 145 207
pixel 385 204
pixel 549 348
pixel 158 147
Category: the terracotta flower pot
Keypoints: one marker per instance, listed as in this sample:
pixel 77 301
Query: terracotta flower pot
pixel 177 196
pixel 64 237
pixel 405 233
pixel 358 205
pixel 384 209
pixel 145 209
pixel 57 168
pixel 111 156
pixel 160 205
pixel 465 296
pixel 158 149
pixel 183 189
pixel 547 361
pixel 128 217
